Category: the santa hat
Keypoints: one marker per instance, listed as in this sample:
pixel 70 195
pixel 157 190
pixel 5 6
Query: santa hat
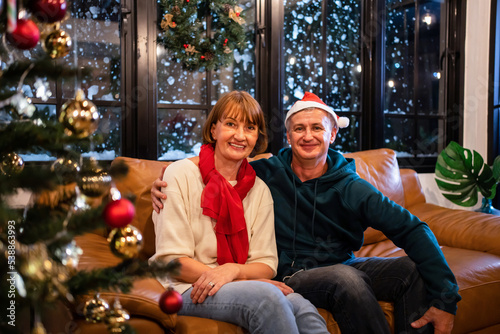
pixel 312 101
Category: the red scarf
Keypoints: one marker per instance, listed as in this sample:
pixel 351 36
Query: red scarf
pixel 223 202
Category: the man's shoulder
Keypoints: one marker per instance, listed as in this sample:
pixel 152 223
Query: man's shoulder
pixel 270 163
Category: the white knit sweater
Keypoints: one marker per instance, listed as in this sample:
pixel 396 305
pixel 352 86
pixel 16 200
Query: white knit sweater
pixel 183 231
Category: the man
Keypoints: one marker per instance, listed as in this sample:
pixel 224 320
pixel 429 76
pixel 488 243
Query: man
pixel 322 208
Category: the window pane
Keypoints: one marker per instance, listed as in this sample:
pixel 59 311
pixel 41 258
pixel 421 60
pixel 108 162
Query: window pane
pixel 180 133
pixel 343 69
pixel 179 129
pixel 177 85
pixel 348 138
pixel 94 28
pixel 241 74
pixel 414 40
pixel 325 60
pixel 302 49
pixel 400 135
pixel 400 42
pixel 428 53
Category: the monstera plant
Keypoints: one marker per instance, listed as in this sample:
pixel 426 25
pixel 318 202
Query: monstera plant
pixel 461 174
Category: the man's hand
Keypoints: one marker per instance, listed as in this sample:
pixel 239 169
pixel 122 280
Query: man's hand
pixel 156 194
pixel 441 320
pixel 282 286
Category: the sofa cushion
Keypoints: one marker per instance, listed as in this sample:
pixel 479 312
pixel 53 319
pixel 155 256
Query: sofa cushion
pixel 380 168
pixel 138 183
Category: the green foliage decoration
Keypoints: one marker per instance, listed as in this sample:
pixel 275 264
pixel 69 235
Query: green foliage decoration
pixel 185 36
pixel 461 174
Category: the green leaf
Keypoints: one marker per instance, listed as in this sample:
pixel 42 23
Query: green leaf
pixel 496 169
pixel 461 173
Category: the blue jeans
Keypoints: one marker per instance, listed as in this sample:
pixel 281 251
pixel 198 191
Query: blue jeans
pixel 351 292
pixel 259 307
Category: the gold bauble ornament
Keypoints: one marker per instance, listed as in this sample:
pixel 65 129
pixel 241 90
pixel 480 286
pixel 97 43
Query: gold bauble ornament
pixel 79 116
pixel 92 180
pixel 12 164
pixel 66 169
pixel 116 317
pixel 125 242
pixel 57 44
pixel 95 309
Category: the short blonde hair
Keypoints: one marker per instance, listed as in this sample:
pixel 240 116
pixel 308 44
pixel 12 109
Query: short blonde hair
pixel 242 106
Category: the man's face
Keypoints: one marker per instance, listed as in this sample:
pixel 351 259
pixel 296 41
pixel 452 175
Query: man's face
pixel 310 133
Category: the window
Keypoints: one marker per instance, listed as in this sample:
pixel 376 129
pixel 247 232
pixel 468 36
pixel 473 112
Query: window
pixel 95 34
pixel 414 121
pixel 322 55
pixel 185 97
pixel 392 66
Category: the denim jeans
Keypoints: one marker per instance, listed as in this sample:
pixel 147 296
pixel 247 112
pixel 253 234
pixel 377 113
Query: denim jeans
pixel 259 307
pixel 351 292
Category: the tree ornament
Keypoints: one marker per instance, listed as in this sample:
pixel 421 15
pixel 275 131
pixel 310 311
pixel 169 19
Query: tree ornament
pixel 92 180
pixel 42 89
pixel 95 309
pixel 119 213
pixel 125 242
pixel 22 105
pixel 25 36
pixel 57 44
pixel 49 11
pixel 183 32
pixel 66 170
pixel 12 164
pixel 11 13
pixel 69 255
pixel 170 301
pixel 79 116
pixel 116 316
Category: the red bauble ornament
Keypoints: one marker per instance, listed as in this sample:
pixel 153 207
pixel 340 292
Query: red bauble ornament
pixel 170 301
pixel 49 11
pixel 119 213
pixel 25 36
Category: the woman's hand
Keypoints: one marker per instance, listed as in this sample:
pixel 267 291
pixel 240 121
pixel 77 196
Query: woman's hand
pixel 212 280
pixel 282 286
pixel 156 194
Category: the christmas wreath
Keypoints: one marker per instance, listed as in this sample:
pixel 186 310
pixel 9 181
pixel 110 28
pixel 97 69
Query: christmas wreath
pixel 184 34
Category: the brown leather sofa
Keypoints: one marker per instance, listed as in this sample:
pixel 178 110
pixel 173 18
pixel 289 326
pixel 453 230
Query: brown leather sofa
pixel 470 242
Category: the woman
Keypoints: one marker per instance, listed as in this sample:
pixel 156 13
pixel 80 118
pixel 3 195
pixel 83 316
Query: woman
pixel 226 245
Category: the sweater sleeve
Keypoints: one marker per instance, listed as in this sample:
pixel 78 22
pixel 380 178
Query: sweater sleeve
pixel 173 231
pixel 415 238
pixel 262 240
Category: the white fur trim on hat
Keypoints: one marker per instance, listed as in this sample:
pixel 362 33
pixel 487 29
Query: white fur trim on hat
pixel 310 100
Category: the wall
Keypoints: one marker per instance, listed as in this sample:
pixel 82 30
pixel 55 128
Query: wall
pixel 475 91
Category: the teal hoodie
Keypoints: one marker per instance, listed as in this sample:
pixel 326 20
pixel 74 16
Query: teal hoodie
pixel 321 222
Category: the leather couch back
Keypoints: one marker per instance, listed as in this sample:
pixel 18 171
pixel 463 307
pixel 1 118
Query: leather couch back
pixel 379 167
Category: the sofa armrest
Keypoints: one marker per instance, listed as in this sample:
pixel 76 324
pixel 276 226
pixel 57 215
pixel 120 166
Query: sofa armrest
pixel 460 228
pixel 414 194
pixel 141 301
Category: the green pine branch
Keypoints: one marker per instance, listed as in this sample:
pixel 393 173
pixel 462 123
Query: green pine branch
pixel 41 68
pixel 119 278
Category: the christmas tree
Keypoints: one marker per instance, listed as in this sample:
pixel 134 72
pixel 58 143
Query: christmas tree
pixel 71 194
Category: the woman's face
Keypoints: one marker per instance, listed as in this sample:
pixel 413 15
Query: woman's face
pixel 234 138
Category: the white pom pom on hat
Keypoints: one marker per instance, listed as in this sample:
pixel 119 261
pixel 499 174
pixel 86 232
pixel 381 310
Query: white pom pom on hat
pixel 311 100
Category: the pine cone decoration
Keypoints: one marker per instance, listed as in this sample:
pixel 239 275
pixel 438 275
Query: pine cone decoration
pixel 227 8
pixel 208 55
